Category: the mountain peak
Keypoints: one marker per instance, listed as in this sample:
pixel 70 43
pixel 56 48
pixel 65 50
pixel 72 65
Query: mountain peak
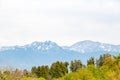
pixel 50 42
pixel 88 42
pixel 88 46
pixel 43 45
pixel 36 43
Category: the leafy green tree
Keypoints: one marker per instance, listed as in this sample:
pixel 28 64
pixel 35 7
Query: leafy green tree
pixel 75 65
pixel 26 73
pixel 1 75
pixel 81 74
pixel 40 71
pixel 58 69
pixel 109 61
pixel 43 71
pixel 91 61
pixel 100 61
pixel 85 74
pixel 34 71
pixel 66 66
pixel 117 58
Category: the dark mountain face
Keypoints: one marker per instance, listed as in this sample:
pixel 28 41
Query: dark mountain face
pixel 45 53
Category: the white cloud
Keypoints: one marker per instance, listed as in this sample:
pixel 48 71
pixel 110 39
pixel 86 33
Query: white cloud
pixel 62 21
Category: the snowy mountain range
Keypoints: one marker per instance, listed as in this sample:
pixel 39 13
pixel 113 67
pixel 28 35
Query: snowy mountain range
pixel 88 46
pixel 45 53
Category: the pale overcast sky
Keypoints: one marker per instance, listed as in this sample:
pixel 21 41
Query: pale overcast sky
pixel 62 21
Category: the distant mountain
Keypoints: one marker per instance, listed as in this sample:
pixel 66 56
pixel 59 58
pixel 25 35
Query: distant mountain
pixel 45 53
pixel 34 54
pixel 88 46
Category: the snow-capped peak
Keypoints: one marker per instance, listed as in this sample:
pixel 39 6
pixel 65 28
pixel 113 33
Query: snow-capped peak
pixel 43 45
pixel 88 46
pixel 85 46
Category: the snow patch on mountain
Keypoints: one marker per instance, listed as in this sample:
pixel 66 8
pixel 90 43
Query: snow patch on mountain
pixel 43 45
pixel 88 46
pixel 85 46
pixel 39 53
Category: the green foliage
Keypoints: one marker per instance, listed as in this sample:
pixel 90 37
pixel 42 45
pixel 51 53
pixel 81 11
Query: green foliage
pixel 109 61
pixel 41 71
pixel 75 65
pixel 29 78
pixel 94 70
pixel 34 71
pixel 91 61
pixel 101 59
pixel 107 68
pixel 117 58
pixel 58 69
pixel 81 74
pixel 1 75
pixel 26 73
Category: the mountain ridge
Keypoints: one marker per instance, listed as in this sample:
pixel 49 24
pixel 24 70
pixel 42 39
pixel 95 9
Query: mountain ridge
pixel 45 53
pixel 91 45
pixel 50 42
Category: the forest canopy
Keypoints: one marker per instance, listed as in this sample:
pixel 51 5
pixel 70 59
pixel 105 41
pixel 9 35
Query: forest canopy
pixel 106 67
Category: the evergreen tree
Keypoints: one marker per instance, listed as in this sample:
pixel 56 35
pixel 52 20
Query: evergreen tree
pixel 101 59
pixel 34 71
pixel 91 61
pixel 58 69
pixel 42 71
pixel 75 65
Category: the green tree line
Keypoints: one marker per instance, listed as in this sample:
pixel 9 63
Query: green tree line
pixel 106 67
